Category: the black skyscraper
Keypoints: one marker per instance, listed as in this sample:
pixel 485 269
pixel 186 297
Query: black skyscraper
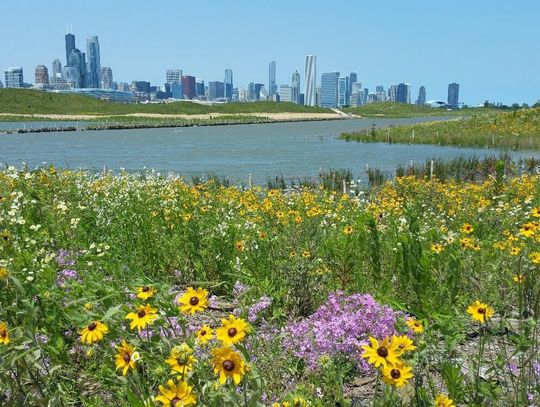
pixel 70 46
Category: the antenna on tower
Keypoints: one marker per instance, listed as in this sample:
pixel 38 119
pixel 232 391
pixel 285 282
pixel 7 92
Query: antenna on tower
pixel 67 28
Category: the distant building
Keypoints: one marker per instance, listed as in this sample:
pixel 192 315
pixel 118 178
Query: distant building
pixel 56 70
pixel 188 82
pixel 14 77
pixel 392 93
pixel 285 93
pixel 200 89
pixel 77 60
pixel 1 85
pixel 343 91
pixel 353 78
pixel 272 86
pixel 228 84
pixel 216 90
pixel 403 94
pixel 357 95
pixel 258 91
pixel 122 86
pixel 295 88
pixel 250 95
pixel 140 86
pixel 310 77
pixel 106 78
pixel 173 76
pixel 70 46
pixel 104 94
pixel 176 90
pixel 421 96
pixel 329 89
pixel 41 76
pixel 93 79
pixel 453 95
pixel 365 96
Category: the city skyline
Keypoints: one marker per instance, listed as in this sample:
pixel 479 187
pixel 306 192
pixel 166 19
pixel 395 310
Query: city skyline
pixel 452 46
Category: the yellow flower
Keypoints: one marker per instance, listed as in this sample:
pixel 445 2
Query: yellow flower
pixel 527 230
pixel 5 236
pixel 233 330
pixel 93 332
pixel 415 325
pixel 348 230
pixel 239 245
pixel 4 272
pixel 4 334
pixel 176 394
pixel 145 315
pixel 88 306
pixel 397 374
pixel 298 219
pixel 181 359
pixel 535 257
pixel 467 228
pixel 480 312
pixel 437 248
pixel 306 254
pixel 298 402
pixel 193 300
pixel 443 401
pixel 186 217
pixel 126 357
pixel 514 251
pixel 536 212
pixel 145 292
pixel 204 334
pixel 518 278
pixel 228 364
pixel 402 344
pixel 380 353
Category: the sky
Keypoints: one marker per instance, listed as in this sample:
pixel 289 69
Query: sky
pixel 490 47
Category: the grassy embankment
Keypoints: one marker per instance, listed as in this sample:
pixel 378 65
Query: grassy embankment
pixel 518 130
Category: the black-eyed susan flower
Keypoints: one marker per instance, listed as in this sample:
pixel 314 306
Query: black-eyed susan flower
pixel 518 278
pixel 193 300
pixel 480 312
pixel 5 236
pixel 143 316
pixel 233 330
pixel 4 334
pixel 126 358
pixel 443 401
pixel 299 401
pixel 514 251
pixel 181 359
pixel 4 272
pixel 239 245
pixel 205 334
pixel 402 344
pixel 416 326
pixel 380 353
pixel 306 254
pixel 93 332
pixel 527 229
pixel 228 363
pixel 397 374
pixel 437 248
pixel 535 212
pixel 347 230
pixel 467 228
pixel 176 394
pixel 535 257
pixel 145 292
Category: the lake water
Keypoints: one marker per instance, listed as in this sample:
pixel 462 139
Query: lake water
pixel 262 150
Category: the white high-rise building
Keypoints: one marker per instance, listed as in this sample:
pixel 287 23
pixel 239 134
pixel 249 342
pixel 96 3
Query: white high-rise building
pixel 295 87
pixel 310 97
pixel 285 93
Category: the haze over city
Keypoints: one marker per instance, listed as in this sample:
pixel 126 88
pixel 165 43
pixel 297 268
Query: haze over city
pixel 488 48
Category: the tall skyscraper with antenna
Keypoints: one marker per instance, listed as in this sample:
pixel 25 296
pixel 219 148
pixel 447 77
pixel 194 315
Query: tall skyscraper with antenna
pixel 70 46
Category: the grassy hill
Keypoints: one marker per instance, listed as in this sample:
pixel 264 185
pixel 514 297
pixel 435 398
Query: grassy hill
pixel 519 129
pixel 25 101
pixel 391 109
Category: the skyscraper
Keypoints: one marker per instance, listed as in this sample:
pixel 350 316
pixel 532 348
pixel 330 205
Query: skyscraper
pixel 173 76
pixel 258 88
pixel 310 94
pixel 70 46
pixel 421 96
pixel 106 78
pixel 77 60
pixel 285 93
pixel 188 83
pixel 1 85
pixel 295 87
pixel 216 90
pixel 353 78
pixel 329 89
pixel 453 95
pixel 14 77
pixel 403 94
pixel 228 83
pixel 392 93
pixel 272 86
pixel 56 70
pixel 343 91
pixel 41 75
pixel 94 63
pixel 251 91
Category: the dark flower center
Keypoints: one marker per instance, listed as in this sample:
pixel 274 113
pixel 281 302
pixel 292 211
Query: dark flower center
pixel 127 357
pixel 145 289
pixel 92 326
pixel 395 373
pixel 174 401
pixel 193 301
pixel 232 332
pixel 3 334
pixel 6 237
pixel 382 352
pixel 203 333
pixel 228 365
pixel 481 311
pixel 141 313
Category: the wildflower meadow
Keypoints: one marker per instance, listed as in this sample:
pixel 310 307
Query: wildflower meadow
pixel 147 290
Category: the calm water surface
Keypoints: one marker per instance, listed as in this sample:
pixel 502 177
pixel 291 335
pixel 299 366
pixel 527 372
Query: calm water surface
pixel 263 150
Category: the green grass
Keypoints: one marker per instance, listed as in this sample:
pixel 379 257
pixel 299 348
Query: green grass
pixel 396 110
pixel 23 101
pixel 518 130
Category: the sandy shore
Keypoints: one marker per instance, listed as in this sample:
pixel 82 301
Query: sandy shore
pixel 284 116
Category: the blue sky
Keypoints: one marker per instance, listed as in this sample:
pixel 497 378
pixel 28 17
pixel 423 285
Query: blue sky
pixel 492 48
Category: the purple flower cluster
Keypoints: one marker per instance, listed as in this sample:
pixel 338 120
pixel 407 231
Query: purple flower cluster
pixel 65 260
pixel 239 289
pixel 253 312
pixel 65 275
pixel 340 327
